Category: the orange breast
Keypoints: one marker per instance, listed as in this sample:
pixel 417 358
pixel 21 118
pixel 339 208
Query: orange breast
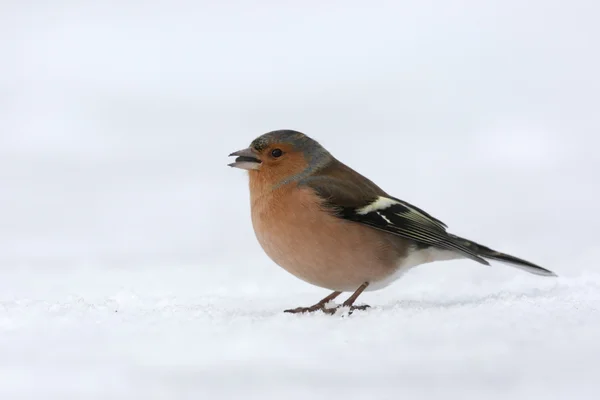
pixel 317 247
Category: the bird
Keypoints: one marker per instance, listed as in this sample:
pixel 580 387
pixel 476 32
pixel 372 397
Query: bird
pixel 332 227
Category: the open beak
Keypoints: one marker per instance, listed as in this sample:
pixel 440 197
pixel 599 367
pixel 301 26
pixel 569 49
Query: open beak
pixel 246 159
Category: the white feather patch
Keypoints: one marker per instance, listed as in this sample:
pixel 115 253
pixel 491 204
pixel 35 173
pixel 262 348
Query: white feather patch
pixel 380 204
pixel 384 217
pixel 413 259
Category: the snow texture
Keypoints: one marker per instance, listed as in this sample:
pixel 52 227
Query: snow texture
pixel 128 265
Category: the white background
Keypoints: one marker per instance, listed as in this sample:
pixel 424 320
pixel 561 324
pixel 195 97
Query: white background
pixel 128 265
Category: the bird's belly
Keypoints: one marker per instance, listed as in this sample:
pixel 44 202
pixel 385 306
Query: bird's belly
pixel 326 251
pixel 325 259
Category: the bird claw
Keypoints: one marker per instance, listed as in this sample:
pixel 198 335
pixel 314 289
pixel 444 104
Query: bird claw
pixel 301 310
pixel 328 311
pixel 351 309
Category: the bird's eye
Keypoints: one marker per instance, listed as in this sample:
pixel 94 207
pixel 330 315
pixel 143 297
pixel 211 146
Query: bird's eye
pixel 276 153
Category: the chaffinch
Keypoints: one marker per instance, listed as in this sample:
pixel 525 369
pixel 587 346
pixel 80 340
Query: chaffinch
pixel 330 226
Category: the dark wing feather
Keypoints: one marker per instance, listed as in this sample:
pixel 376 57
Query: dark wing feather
pixel 347 197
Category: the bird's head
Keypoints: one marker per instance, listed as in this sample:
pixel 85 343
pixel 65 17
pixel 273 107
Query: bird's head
pixel 281 156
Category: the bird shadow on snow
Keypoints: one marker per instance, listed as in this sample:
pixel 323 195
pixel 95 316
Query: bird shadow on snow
pixel 473 301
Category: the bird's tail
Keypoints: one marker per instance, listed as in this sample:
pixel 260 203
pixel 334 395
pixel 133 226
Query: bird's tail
pixel 487 253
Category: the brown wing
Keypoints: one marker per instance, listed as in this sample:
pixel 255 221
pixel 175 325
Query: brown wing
pixel 350 196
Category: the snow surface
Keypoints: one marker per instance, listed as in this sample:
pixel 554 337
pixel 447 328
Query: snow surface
pixel 128 265
pixel 117 333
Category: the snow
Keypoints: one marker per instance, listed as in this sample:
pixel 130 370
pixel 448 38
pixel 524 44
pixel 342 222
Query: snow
pixel 128 265
pixel 193 332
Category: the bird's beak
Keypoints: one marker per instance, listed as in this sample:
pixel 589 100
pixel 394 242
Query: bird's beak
pixel 246 159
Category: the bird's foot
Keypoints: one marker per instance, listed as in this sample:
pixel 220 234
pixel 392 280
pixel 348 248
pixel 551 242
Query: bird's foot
pixel 310 309
pixel 329 311
pixel 350 308
pixel 322 305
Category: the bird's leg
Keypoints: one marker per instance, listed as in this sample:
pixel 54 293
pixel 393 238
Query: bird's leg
pixel 319 306
pixel 350 301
